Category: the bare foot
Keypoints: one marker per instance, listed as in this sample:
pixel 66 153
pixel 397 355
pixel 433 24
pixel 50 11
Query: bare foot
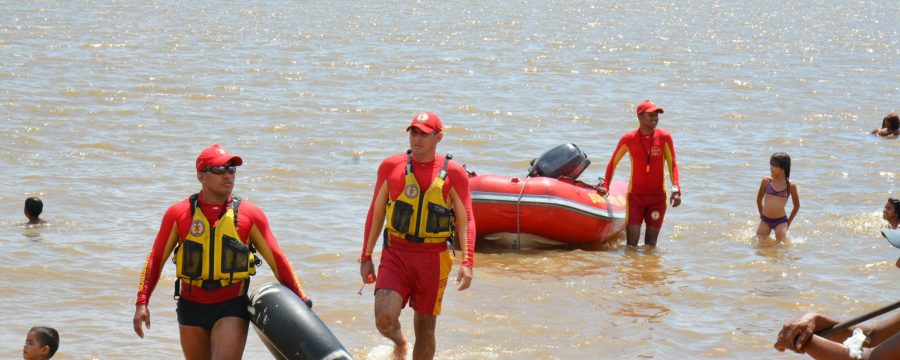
pixel 401 349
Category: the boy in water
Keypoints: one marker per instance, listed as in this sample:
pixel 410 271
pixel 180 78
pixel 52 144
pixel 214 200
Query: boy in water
pixel 41 343
pixel 33 209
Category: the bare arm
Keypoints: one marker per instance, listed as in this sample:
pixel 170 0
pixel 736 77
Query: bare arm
pixel 760 194
pixel 796 200
pixel 798 336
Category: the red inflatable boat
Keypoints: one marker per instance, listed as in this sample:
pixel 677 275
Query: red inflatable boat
pixel 545 210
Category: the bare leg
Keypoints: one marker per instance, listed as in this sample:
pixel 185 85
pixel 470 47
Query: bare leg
pixel 650 235
pixel 633 234
pixel 388 304
pixel 425 343
pixel 228 338
pixel 762 232
pixel 194 342
pixel 781 232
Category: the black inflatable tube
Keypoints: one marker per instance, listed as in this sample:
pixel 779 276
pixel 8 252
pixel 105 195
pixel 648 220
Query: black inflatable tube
pixel 289 328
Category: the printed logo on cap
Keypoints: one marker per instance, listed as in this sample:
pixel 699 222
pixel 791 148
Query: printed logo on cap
pixel 197 228
pixel 411 191
pixel 423 117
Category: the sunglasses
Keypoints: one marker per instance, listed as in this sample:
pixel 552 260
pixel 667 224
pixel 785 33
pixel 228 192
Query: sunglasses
pixel 219 170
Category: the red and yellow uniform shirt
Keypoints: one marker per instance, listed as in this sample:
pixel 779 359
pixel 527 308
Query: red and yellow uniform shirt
pixel 252 228
pixel 649 155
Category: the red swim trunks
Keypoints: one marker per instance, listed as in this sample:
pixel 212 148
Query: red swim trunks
pixel 649 208
pixel 420 277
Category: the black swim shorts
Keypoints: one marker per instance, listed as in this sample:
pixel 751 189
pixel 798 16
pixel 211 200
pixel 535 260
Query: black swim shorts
pixel 205 315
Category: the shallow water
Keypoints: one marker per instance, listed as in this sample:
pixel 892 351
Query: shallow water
pixel 104 107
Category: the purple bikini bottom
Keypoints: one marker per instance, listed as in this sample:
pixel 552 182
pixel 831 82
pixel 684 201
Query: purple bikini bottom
pixel 773 223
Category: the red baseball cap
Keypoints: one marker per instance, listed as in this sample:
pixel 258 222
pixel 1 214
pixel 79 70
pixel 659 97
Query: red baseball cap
pixel 648 106
pixel 215 155
pixel 427 122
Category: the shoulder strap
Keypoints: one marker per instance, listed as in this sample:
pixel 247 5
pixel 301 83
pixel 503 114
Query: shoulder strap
pixel 194 203
pixel 443 173
pixel 409 167
pixel 235 202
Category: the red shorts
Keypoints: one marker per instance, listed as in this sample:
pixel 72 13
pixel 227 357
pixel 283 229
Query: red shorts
pixel 419 277
pixel 649 208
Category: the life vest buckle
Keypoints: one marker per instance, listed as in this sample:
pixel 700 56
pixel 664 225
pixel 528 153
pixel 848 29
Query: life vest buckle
pixel 210 285
pixel 414 239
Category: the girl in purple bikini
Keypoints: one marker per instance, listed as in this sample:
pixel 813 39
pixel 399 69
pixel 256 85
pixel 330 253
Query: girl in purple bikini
pixel 773 195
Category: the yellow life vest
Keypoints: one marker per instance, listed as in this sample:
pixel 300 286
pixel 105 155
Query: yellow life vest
pixel 214 253
pixel 421 217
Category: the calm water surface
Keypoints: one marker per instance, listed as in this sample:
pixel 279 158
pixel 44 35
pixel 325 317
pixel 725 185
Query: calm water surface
pixel 105 105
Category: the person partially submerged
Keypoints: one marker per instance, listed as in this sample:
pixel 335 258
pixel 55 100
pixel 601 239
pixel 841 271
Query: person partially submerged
pixel 890 126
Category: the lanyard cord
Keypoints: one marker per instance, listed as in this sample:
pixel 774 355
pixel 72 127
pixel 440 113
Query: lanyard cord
pixel 646 150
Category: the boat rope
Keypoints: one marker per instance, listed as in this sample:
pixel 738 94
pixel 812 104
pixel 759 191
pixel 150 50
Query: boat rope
pixel 518 243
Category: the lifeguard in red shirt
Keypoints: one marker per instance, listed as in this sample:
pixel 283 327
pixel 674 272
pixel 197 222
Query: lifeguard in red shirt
pixel 651 149
pixel 422 199
pixel 217 239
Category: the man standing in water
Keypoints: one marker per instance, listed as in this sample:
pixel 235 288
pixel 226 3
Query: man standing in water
pixel 422 195
pixel 648 148
pixel 215 237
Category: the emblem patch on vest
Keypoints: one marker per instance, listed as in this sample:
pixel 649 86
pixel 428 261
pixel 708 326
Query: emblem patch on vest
pixel 411 191
pixel 197 228
pixel 654 215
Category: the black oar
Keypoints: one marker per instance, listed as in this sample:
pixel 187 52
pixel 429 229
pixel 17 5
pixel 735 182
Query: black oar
pixel 857 320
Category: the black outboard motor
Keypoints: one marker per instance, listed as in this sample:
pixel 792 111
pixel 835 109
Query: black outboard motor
pixel 564 160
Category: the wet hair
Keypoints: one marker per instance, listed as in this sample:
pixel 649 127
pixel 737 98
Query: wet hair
pixel 892 122
pixel 34 206
pixel 896 203
pixel 783 161
pixel 47 336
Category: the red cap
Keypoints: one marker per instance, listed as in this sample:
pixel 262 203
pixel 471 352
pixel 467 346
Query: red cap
pixel 427 122
pixel 215 155
pixel 648 106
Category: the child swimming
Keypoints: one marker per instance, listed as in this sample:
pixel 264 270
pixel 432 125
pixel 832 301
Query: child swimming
pixel 772 197
pixel 890 126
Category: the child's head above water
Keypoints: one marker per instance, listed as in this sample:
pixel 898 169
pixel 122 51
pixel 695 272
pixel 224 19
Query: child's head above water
pixel 782 161
pixel 892 122
pixel 33 207
pixel 40 343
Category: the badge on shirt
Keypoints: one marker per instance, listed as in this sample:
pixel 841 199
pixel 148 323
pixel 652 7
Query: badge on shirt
pixel 654 151
pixel 654 215
pixel 411 191
pixel 197 228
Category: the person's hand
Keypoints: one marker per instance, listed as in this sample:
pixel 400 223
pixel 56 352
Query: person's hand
pixel 602 191
pixel 675 198
pixel 367 271
pixel 795 334
pixel 141 315
pixel 464 277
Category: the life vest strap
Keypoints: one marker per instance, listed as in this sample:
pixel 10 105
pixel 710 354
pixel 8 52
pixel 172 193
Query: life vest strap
pixel 414 239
